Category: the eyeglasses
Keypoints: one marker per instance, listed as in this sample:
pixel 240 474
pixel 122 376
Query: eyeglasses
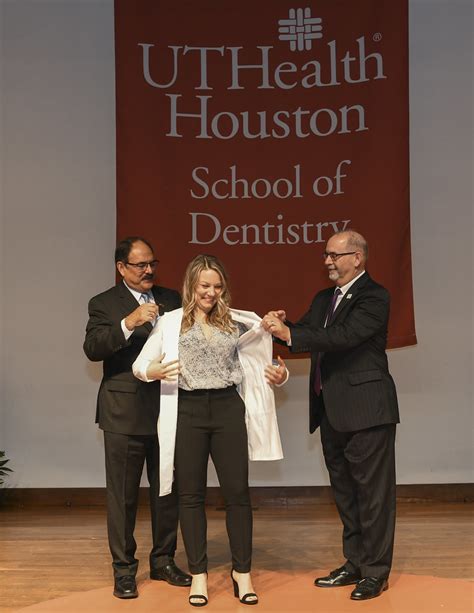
pixel 336 256
pixel 143 265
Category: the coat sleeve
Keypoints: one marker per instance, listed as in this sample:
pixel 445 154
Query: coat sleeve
pixel 367 318
pixel 104 336
pixel 152 349
pixel 303 321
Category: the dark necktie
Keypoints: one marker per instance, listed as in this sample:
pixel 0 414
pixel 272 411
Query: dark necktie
pixel 328 319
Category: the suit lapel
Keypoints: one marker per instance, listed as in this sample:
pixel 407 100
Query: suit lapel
pixel 158 296
pixel 323 306
pixel 127 300
pixel 129 303
pixel 349 296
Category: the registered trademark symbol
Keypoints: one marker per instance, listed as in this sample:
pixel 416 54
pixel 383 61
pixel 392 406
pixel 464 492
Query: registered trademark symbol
pixel 377 37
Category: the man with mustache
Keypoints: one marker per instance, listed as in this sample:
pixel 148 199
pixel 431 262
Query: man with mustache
pixel 120 320
pixel 353 400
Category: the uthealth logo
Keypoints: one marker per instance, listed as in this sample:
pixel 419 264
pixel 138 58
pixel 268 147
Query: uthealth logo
pixel 300 29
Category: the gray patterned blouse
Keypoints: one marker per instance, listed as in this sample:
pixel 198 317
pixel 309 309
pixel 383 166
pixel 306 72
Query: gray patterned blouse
pixel 209 363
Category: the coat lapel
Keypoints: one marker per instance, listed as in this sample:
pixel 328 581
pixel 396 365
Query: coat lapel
pixel 349 296
pixel 158 296
pixel 129 303
pixel 323 306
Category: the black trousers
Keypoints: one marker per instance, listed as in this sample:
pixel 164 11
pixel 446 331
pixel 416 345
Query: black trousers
pixel 212 422
pixel 124 459
pixel 361 468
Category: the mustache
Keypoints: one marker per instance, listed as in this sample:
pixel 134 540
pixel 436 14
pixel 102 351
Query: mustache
pixel 147 277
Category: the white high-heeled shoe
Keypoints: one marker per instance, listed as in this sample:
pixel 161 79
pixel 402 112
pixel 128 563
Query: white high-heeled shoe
pixel 196 597
pixel 248 598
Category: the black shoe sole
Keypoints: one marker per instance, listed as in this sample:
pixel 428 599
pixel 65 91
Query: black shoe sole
pixel 126 596
pixel 355 582
pixel 371 597
pixel 156 578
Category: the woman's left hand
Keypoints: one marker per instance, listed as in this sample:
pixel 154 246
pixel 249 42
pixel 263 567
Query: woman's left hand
pixel 276 374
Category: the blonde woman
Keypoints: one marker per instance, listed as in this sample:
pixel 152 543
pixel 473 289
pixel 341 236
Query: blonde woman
pixel 216 400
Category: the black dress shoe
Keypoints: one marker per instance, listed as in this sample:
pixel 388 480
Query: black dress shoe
pixel 369 587
pixel 172 574
pixel 337 578
pixel 125 587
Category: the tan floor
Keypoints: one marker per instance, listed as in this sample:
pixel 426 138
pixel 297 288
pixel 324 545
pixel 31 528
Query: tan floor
pixel 279 592
pixel 57 560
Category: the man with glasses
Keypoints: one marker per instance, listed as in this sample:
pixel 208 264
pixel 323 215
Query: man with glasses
pixel 120 320
pixel 353 399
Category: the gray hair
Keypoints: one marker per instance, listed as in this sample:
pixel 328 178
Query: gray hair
pixel 355 241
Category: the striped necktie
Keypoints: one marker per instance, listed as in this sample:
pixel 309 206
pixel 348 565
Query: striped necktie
pixel 145 299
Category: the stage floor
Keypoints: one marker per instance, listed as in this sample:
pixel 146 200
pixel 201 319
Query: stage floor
pixel 54 559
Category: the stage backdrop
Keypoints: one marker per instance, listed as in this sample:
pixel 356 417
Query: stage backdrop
pixel 255 130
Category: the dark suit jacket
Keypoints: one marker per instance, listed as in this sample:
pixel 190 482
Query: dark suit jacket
pixel 125 405
pixel 358 389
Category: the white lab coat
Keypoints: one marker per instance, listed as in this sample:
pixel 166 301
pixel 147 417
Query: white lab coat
pixel 255 352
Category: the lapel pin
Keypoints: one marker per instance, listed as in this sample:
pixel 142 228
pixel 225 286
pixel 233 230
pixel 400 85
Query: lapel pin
pixel 348 296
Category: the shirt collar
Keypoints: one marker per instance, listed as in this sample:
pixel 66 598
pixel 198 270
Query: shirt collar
pixel 134 292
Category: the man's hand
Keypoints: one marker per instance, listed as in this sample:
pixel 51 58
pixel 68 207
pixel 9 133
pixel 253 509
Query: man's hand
pixel 276 374
pixel 164 371
pixel 273 323
pixel 146 312
pixel 279 314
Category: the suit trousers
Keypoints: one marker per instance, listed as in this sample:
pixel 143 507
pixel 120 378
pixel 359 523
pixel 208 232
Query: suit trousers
pixel 124 459
pixel 212 423
pixel 361 468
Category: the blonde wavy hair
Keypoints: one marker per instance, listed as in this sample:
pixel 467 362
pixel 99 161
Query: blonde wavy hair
pixel 219 316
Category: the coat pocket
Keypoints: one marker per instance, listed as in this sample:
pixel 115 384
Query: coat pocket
pixel 129 387
pixel 364 376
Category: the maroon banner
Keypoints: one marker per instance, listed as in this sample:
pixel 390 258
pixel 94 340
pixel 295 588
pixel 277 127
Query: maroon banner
pixel 253 131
